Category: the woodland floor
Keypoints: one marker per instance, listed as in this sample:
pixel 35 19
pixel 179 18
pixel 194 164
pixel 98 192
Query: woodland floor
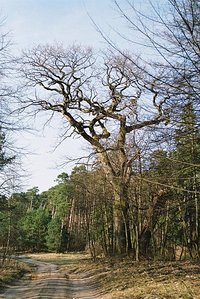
pixel 76 276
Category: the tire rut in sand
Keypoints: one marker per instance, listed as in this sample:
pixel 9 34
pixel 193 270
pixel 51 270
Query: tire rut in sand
pixel 81 287
pixel 47 282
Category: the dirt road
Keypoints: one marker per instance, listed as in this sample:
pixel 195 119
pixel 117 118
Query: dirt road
pixel 48 282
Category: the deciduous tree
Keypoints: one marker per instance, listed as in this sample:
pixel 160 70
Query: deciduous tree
pixel 101 101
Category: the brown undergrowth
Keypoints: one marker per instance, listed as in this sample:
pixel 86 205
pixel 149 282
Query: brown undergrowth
pixel 128 279
pixel 12 270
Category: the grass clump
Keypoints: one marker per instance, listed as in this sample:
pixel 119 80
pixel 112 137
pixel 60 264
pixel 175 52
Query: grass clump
pixel 10 270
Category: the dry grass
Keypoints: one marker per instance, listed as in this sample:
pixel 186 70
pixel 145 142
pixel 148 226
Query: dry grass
pixel 125 278
pixel 120 279
pixel 153 280
pixel 11 270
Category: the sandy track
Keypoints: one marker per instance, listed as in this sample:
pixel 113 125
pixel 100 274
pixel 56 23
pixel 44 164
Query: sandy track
pixel 82 288
pixel 49 283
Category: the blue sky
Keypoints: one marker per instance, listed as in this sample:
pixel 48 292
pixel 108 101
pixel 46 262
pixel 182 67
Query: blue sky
pixel 32 22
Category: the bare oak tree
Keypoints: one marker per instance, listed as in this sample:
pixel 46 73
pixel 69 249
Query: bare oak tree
pixel 103 100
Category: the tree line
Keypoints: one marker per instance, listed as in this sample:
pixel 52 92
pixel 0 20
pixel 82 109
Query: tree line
pixel 78 212
pixel 139 193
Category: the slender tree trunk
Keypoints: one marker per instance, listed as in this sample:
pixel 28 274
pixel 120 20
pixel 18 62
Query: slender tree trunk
pixel 185 233
pixel 8 235
pixel 137 251
pixel 197 237
pixel 164 232
pixel 70 222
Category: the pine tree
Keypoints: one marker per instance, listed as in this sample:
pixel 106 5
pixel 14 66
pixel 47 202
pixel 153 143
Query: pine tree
pixel 187 156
